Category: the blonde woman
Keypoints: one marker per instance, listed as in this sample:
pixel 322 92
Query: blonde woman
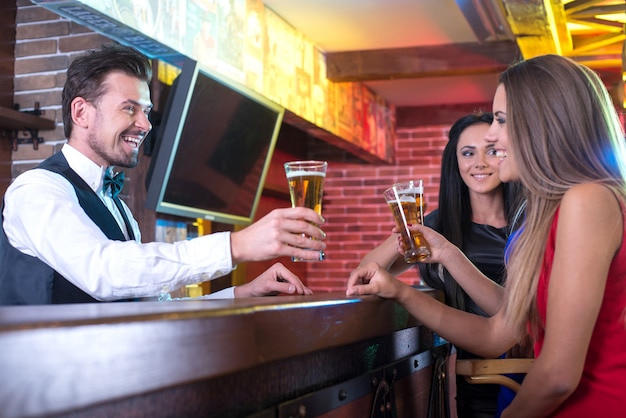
pixel 559 135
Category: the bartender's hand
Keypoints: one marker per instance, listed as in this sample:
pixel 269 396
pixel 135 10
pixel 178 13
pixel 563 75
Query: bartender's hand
pixel 278 234
pixel 277 279
pixel 372 279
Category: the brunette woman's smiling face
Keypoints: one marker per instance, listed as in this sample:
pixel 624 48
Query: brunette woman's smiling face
pixel 477 160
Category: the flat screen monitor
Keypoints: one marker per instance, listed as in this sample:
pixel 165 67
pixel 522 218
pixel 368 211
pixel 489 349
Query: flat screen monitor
pixel 212 149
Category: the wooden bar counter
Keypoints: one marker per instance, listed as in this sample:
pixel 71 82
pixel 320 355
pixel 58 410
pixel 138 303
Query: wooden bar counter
pixel 325 355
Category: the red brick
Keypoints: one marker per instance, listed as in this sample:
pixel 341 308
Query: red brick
pixel 35 82
pixel 45 98
pixel 427 152
pixel 82 43
pixel 38 47
pixel 34 14
pixel 417 162
pixel 42 64
pixel 55 135
pixel 42 30
pixel 332 210
pixel 61 77
pixel 362 247
pixel 76 28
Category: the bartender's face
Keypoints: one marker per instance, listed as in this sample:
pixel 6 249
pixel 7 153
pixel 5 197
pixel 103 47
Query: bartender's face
pixel 118 122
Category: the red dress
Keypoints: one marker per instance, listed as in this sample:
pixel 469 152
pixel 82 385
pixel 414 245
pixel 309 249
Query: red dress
pixel 602 388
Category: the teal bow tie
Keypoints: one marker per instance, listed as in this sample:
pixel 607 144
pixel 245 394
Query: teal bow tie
pixel 116 182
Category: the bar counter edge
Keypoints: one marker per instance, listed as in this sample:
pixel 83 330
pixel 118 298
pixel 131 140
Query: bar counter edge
pixel 192 357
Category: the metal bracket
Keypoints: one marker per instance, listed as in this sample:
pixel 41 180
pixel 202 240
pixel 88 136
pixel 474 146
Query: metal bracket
pixel 33 136
pixel 384 405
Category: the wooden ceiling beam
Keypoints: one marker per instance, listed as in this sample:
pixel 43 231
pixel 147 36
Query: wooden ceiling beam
pixel 410 116
pixel 585 45
pixel 578 6
pixel 539 26
pixel 419 62
pixel 599 24
pixel 593 10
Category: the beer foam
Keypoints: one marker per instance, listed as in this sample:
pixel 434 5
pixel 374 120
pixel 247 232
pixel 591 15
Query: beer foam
pixel 303 173
pixel 404 198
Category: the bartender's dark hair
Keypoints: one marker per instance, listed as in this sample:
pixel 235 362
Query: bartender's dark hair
pixel 86 74
pixel 454 217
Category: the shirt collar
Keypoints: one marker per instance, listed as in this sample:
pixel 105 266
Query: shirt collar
pixel 89 171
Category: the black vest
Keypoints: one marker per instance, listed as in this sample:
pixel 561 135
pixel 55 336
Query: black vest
pixel 26 280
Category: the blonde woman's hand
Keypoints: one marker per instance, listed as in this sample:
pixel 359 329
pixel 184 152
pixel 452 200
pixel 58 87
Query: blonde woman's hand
pixel 372 279
pixel 440 247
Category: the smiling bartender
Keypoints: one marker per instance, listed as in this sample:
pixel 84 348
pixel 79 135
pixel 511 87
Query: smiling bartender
pixel 68 238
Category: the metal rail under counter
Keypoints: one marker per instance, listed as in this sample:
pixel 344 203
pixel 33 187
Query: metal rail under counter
pixel 284 356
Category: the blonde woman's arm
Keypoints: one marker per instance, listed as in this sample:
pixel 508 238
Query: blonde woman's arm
pixel 484 291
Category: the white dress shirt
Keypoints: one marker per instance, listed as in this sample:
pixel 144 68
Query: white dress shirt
pixel 42 218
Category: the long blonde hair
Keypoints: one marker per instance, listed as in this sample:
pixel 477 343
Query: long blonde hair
pixel 563 130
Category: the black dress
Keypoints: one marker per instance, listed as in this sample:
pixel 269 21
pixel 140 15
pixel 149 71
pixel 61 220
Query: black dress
pixel 483 246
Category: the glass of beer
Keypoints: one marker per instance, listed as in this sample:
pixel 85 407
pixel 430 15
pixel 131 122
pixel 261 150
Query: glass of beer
pixel 405 202
pixel 306 187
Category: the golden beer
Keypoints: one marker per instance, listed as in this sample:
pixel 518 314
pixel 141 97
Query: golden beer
pixel 306 186
pixel 306 189
pixel 420 209
pixel 405 215
pixel 415 186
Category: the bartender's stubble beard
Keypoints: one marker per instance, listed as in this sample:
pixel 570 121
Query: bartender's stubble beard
pixel 118 160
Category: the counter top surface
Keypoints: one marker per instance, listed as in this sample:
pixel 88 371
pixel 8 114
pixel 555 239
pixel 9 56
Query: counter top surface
pixel 55 358
pixel 42 316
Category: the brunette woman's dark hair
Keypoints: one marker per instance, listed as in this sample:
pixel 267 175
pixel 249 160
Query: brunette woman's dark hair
pixel 454 216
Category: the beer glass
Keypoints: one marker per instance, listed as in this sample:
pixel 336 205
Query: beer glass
pixel 405 202
pixel 306 187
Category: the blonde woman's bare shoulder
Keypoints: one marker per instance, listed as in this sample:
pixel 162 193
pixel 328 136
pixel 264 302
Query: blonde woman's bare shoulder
pixel 590 196
pixel 592 206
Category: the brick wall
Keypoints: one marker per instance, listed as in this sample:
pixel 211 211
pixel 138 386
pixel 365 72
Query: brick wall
pixel 45 45
pixel 357 216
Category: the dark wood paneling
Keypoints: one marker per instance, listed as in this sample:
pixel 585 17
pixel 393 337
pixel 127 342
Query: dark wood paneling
pixel 410 117
pixel 8 10
pixel 419 62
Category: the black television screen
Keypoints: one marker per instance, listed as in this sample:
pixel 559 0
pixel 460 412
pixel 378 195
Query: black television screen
pixel 212 149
